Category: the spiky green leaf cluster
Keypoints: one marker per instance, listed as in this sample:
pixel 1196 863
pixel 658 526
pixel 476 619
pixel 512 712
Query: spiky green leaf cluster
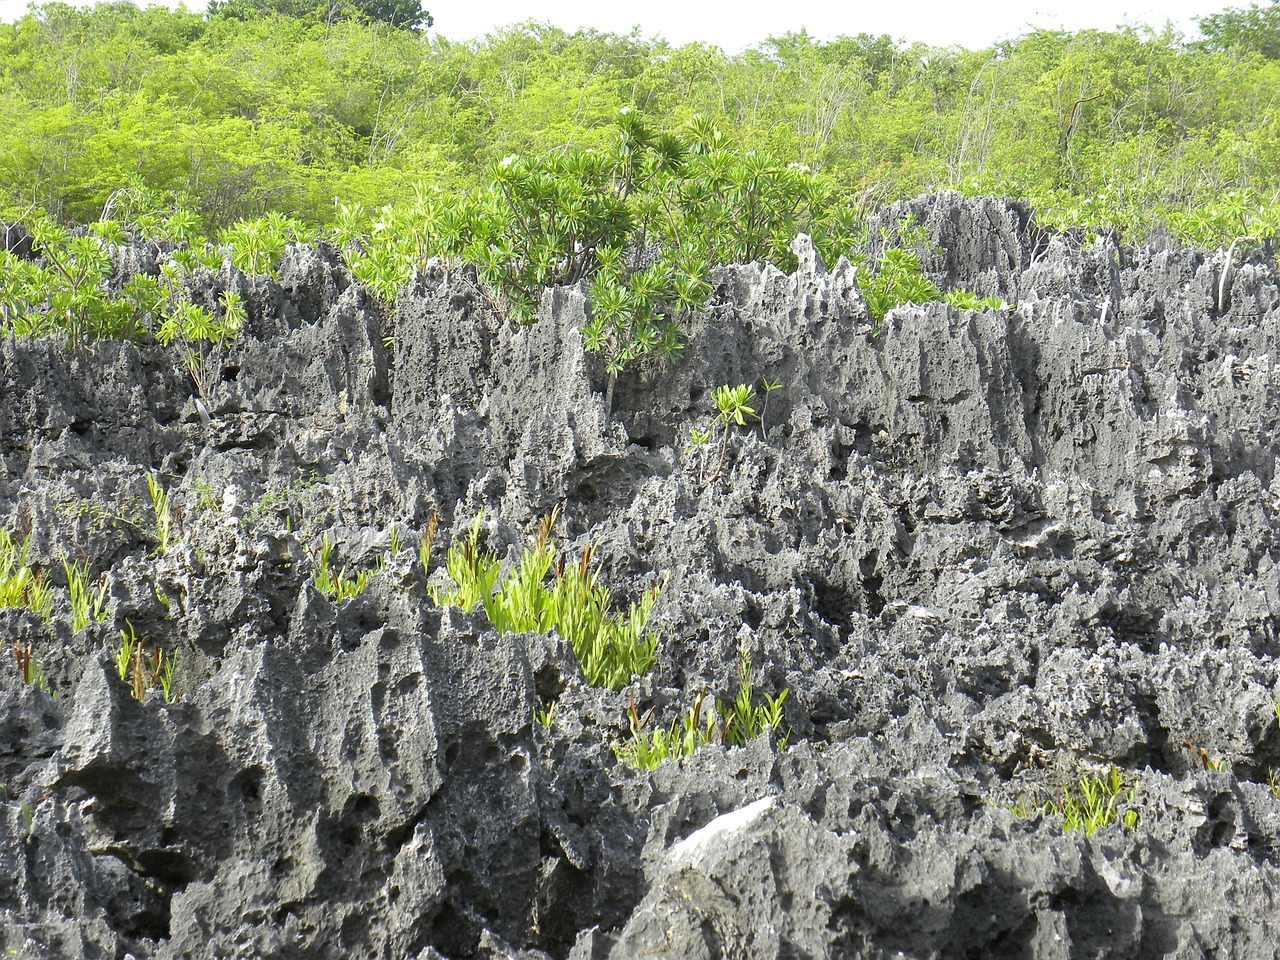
pixel 545 590
pixel 730 723
pixel 1092 803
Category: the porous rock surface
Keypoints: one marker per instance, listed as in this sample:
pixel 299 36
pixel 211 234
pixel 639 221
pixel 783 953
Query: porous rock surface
pixel 987 553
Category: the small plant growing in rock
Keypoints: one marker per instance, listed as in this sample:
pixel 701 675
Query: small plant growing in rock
pixel 1207 760
pixel 544 592
pixel 1273 779
pixel 288 501
pixel 167 516
pixel 968 300
pixel 733 406
pixel 1095 802
pixel 29 667
pixel 144 672
pixel 743 719
pixel 895 276
pixel 697 438
pixel 20 585
pixel 337 584
pixel 88 602
pixel 428 539
pixel 731 723
pixel 768 386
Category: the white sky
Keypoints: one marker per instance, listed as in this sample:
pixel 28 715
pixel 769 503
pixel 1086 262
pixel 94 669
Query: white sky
pixel 734 25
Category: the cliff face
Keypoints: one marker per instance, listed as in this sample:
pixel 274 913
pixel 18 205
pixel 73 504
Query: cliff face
pixel 988 553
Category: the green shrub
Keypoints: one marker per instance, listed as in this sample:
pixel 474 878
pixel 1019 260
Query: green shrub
pixel 68 291
pixel 640 222
pixel 1095 802
pixel 20 584
pixel 544 592
pixel 731 723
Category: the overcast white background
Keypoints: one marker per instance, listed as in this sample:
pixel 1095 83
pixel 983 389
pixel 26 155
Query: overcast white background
pixel 737 25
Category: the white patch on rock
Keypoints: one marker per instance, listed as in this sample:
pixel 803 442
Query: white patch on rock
pixel 692 847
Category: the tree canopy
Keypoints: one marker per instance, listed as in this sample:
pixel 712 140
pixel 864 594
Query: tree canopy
pixel 1254 29
pixel 1127 127
pixel 403 14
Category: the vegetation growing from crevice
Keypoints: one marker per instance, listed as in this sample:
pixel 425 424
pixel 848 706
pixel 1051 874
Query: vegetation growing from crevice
pixel 21 585
pixel 727 722
pixel 1089 804
pixel 338 583
pixel 546 590
pixel 142 670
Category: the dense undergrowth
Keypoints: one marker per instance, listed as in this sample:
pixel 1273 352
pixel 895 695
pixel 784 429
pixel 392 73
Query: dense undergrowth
pixel 1121 129
pixel 639 222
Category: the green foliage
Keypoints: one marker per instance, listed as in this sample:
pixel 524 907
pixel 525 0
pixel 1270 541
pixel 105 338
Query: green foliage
pixel 556 157
pixel 255 245
pixel 731 723
pixel 20 584
pixel 968 300
pixel 287 501
pixel 68 291
pixel 768 386
pixel 165 527
pixel 143 671
pixel 697 438
pixel 29 667
pixel 743 719
pixel 207 108
pixel 733 404
pixel 1095 802
pixel 1252 29
pixel 640 221
pixel 71 288
pixel 88 603
pixel 544 591
pixel 336 583
pixel 402 14
pixel 897 279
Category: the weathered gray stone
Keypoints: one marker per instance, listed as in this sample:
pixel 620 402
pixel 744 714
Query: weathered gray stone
pixel 986 552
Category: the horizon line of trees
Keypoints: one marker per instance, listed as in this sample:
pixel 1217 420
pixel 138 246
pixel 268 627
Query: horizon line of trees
pixel 283 105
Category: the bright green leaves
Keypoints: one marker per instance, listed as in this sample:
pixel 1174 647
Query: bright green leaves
pixel 256 245
pixel 733 404
pixel 544 590
pixel 897 279
pixel 67 292
pixel 88 598
pixel 730 723
pixel 895 275
pixel 72 287
pixel 641 222
pixel 20 584
pixel 1094 802
pixel 968 300
pixel 1248 215
pixel 143 671
pixel 337 583
pixel 191 322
